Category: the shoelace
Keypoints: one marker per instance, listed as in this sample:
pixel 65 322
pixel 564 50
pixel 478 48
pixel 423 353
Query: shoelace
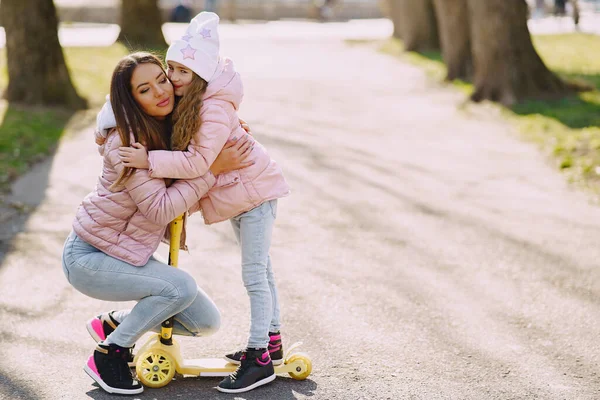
pixel 243 366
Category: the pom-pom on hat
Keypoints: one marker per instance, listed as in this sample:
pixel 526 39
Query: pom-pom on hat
pixel 198 49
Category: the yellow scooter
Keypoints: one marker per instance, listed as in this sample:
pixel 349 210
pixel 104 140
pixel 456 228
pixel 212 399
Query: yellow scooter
pixel 157 361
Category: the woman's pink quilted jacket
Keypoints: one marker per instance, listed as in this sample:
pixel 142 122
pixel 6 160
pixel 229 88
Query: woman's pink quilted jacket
pixel 235 192
pixel 129 221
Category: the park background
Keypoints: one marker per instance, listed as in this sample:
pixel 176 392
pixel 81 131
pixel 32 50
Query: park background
pixel 441 241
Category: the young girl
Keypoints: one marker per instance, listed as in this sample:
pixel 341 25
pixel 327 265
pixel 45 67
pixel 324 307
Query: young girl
pixel 118 226
pixel 205 118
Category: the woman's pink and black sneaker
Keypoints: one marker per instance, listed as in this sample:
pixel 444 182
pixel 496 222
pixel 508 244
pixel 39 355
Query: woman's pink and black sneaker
pixel 108 367
pixel 103 325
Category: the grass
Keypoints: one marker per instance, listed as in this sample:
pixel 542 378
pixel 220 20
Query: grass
pixel 569 128
pixel 28 135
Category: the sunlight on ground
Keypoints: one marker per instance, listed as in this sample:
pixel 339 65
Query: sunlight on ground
pixel 568 128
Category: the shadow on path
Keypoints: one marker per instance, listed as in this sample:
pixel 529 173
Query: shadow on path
pixel 283 388
pixel 28 140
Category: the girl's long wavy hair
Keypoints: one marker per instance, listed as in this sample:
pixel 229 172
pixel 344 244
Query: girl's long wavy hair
pixel 130 117
pixel 186 117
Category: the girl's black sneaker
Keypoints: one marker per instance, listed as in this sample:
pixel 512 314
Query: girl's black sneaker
pixel 256 369
pixel 275 350
pixel 108 367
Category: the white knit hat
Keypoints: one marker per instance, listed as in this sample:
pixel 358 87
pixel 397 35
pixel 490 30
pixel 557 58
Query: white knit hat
pixel 198 49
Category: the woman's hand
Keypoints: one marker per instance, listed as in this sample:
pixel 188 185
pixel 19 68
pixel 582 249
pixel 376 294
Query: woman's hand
pixel 233 156
pixel 135 156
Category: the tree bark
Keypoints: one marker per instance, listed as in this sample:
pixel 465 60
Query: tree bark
pixel 418 27
pixel 455 37
pixel 37 73
pixel 395 14
pixel 507 67
pixel 576 13
pixel 141 25
pixel 232 10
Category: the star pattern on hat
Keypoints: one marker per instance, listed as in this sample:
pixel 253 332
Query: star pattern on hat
pixel 205 33
pixel 186 38
pixel 188 52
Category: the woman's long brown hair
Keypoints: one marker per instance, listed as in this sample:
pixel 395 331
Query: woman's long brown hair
pixel 130 117
pixel 186 117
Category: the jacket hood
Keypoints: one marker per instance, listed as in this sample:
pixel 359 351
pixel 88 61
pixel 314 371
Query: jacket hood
pixel 105 123
pixel 227 84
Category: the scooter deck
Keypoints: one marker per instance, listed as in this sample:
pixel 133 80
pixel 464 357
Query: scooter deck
pixel 214 367
pixel 219 366
pixel 206 367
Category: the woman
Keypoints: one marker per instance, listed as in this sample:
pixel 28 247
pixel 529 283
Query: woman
pixel 108 255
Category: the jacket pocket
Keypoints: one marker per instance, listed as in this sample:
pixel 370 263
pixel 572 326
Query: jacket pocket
pixel 228 179
pixel 230 200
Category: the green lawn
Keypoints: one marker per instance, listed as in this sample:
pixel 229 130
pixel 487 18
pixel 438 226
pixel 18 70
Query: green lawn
pixel 569 129
pixel 29 134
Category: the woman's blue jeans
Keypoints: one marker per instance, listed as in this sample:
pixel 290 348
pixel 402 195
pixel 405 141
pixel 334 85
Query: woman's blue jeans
pixel 161 291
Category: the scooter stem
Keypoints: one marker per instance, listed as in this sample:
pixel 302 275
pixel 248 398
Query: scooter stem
pixel 175 227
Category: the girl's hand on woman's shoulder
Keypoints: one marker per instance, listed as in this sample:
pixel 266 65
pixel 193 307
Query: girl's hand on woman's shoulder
pixel 246 127
pixel 234 155
pixel 135 156
pixel 100 138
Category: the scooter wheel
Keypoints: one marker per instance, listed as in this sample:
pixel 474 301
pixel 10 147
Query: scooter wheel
pixel 301 364
pixel 155 368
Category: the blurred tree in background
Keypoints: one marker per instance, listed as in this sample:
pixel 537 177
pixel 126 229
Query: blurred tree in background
pixel 37 71
pixel 141 25
pixel 455 37
pixel 486 41
pixel 395 12
pixel 507 67
pixel 418 28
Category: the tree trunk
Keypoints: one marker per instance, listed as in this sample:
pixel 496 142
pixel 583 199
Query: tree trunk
pixel 418 26
pixel 576 14
pixel 455 37
pixel 231 10
pixel 37 73
pixel 395 14
pixel 141 25
pixel 507 66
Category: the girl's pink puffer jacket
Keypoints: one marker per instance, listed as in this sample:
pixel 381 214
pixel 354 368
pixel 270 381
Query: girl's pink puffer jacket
pixel 129 221
pixel 235 192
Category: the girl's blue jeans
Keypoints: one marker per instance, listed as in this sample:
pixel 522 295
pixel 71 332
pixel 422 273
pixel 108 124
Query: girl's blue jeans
pixel 253 231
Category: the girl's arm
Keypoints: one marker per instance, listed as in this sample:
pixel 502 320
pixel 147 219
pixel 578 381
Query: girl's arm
pixel 136 156
pixel 233 156
pixel 156 201
pixel 201 152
